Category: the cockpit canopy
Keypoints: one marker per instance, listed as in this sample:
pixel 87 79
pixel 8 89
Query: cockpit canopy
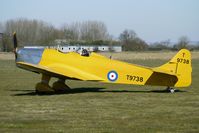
pixel 81 51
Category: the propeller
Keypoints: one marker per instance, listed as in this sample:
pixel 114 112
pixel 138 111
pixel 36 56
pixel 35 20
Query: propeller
pixel 15 40
pixel 15 44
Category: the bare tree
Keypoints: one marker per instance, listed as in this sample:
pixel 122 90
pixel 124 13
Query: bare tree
pixel 1 36
pixel 127 35
pixel 183 42
pixel 162 45
pixel 131 41
pixel 34 32
pixel 72 31
pixel 31 31
pixel 93 30
pixel 1 27
pixel 86 31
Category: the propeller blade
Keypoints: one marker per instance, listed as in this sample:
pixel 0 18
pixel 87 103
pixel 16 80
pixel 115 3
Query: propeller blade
pixel 15 40
pixel 15 44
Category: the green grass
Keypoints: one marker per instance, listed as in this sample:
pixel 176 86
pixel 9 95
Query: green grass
pixel 95 107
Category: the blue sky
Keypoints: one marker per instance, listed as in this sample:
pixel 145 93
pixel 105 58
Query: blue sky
pixel 152 20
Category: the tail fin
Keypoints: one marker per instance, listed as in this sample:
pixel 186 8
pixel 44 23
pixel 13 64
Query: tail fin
pixel 180 65
pixel 15 44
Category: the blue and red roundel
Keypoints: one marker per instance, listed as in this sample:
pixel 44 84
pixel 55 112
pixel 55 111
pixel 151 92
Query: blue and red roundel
pixel 112 76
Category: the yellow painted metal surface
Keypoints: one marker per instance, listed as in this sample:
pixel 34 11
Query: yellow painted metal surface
pixel 180 65
pixel 177 72
pixel 94 67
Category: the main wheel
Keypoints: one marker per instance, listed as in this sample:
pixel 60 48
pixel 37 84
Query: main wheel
pixel 43 88
pixel 60 86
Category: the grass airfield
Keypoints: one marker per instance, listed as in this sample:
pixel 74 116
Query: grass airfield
pixel 96 107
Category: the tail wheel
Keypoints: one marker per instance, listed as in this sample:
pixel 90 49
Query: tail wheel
pixel 171 90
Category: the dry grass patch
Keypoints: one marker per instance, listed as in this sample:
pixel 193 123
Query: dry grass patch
pixel 162 55
pixel 7 56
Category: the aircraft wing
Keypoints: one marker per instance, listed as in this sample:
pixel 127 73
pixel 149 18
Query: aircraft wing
pixel 68 74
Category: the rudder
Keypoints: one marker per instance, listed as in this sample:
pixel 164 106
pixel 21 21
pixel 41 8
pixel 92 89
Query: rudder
pixel 180 65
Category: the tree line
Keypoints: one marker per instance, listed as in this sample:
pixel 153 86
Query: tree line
pixel 35 32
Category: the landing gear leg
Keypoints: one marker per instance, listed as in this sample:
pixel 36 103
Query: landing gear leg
pixel 171 90
pixel 43 86
pixel 60 86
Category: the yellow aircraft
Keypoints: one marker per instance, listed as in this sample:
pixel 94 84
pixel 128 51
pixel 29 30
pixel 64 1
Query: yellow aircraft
pixel 94 67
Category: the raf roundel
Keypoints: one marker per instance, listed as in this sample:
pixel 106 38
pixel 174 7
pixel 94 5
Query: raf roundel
pixel 112 76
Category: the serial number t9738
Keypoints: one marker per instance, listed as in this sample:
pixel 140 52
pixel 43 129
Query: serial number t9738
pixel 134 78
pixel 182 60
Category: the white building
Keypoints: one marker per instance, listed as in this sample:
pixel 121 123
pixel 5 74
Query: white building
pixel 67 48
pixel 89 48
pixel 64 46
pixel 117 48
pixel 103 48
pixel 72 48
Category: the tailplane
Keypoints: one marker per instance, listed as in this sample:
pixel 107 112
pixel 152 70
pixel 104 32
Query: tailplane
pixel 180 65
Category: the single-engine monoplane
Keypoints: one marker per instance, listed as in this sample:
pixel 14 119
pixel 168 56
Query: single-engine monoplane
pixel 90 66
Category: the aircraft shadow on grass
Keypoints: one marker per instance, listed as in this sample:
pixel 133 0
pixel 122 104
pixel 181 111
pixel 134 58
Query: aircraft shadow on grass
pixel 87 89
